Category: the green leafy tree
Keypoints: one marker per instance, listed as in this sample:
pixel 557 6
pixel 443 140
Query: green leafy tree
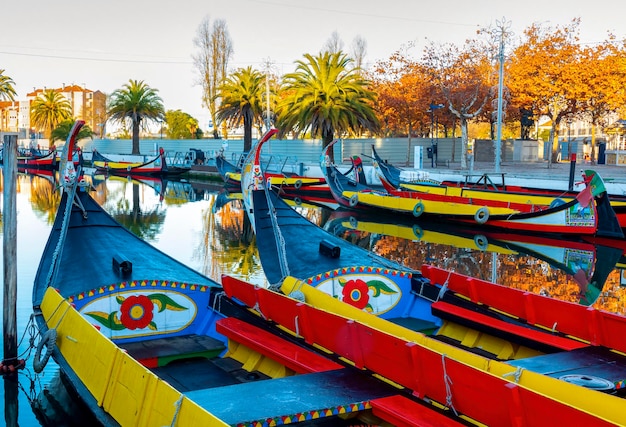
pixel 49 109
pixel 138 103
pixel 181 125
pixel 242 101
pixel 7 91
pixel 327 97
pixel 62 131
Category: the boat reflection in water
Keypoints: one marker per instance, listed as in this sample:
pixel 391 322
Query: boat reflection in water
pixel 574 270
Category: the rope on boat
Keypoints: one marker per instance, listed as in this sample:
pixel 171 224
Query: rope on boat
pixel 280 240
pixel 515 374
pixel 448 382
pixel 257 308
pixel 66 220
pixel 217 301
pixel 177 405
pixel 444 287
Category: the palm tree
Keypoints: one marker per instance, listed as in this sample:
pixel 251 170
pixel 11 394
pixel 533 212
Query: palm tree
pixel 135 101
pixel 327 97
pixel 7 91
pixel 242 101
pixel 49 109
pixel 62 131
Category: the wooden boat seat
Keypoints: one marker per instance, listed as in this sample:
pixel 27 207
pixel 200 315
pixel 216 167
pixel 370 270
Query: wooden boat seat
pixel 531 337
pixel 401 411
pixel 161 351
pixel 296 358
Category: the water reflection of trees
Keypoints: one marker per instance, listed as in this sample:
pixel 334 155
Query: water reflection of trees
pixel 44 196
pixel 145 223
pixel 229 245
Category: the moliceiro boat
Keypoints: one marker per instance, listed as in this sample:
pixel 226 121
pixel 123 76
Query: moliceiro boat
pixel 589 213
pixel 231 173
pixel 157 166
pixel 145 340
pixel 486 354
pixel 395 178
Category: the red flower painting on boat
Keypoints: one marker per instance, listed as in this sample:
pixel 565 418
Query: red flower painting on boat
pixel 360 293
pixel 355 293
pixel 136 312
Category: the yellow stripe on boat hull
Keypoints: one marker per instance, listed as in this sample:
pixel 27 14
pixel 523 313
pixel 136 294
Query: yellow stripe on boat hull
pixel 418 233
pixel 418 206
pixel 502 196
pixel 115 165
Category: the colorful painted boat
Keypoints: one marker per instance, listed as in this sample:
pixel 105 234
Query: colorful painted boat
pixel 588 263
pixel 156 166
pixel 588 214
pixel 36 158
pixel 490 354
pixel 482 364
pixel 145 340
pixel 396 178
pixel 231 173
pixel 299 188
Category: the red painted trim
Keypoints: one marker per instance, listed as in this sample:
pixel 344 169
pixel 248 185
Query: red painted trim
pixel 490 322
pixel 264 139
pixel 71 140
pixel 150 362
pixel 293 356
pixel 401 411
pixel 586 323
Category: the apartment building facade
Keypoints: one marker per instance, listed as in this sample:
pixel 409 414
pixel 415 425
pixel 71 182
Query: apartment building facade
pixel 86 104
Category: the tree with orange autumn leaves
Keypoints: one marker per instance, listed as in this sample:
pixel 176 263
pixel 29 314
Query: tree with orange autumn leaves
pixel 548 73
pixel 402 87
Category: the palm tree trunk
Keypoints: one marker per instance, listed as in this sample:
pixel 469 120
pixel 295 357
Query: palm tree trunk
pixel 247 129
pixel 135 136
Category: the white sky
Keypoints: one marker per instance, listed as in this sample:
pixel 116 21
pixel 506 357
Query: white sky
pixel 104 44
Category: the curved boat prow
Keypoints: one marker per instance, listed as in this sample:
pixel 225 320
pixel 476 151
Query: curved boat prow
pixel 608 224
pixel 251 175
pixel 67 164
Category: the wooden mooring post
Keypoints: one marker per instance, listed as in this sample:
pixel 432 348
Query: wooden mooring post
pixel 9 247
pixel 9 216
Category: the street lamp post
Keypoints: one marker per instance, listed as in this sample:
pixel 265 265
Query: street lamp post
pixel 503 27
pixel 432 109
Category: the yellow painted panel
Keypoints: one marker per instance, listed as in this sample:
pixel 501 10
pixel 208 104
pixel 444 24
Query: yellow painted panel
pixel 129 392
pixel 406 204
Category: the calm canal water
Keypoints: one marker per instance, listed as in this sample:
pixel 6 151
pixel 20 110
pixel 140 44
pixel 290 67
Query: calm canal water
pixel 203 226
